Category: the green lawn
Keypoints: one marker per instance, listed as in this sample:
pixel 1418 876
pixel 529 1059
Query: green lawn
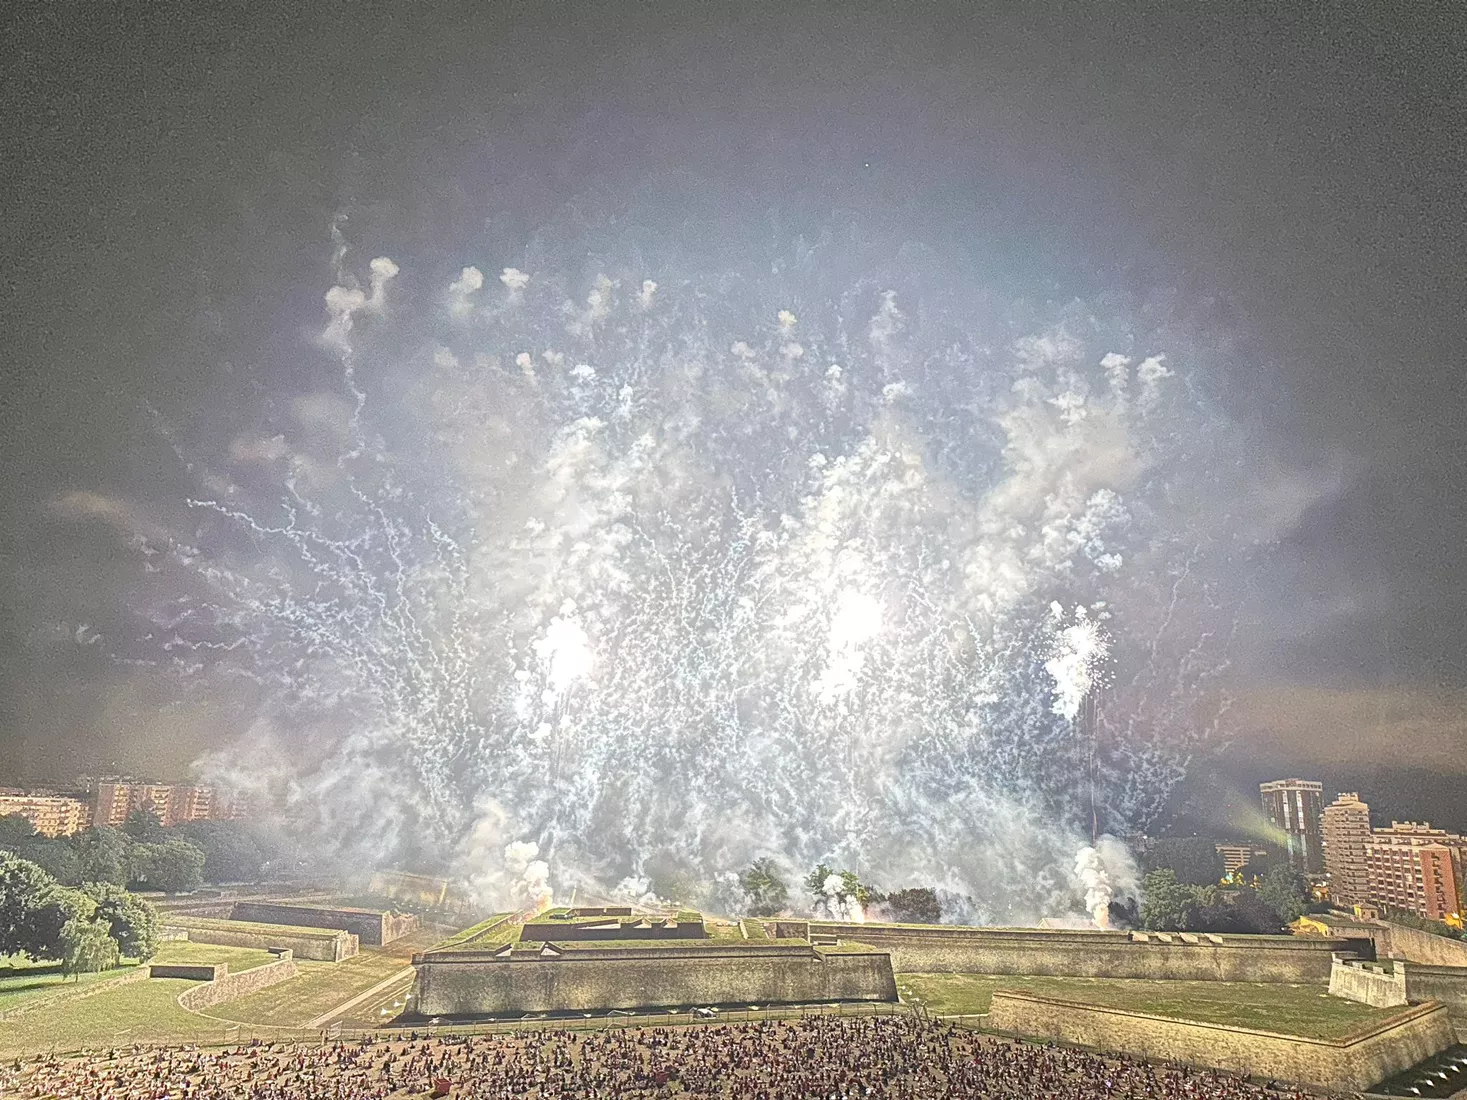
pixel 24 983
pixel 61 1016
pixel 318 988
pixel 238 958
pixel 1305 1010
pixel 491 931
pixel 143 1011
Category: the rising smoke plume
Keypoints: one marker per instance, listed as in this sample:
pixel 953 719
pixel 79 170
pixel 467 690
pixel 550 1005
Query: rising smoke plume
pixel 631 579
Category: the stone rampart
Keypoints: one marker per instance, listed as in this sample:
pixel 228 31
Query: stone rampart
pixel 1395 941
pixel 592 979
pixel 1344 1065
pixel 1380 985
pixel 228 987
pixel 1086 953
pixel 323 945
pixel 1447 984
pixel 371 926
pixel 194 972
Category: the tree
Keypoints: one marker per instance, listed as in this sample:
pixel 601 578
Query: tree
pixel 768 893
pixel 15 832
pixel 1193 859
pixel 130 920
pixel 26 891
pixel 1253 914
pixel 1167 905
pixel 1284 892
pixel 846 889
pixel 102 855
pixel 1260 864
pixel 57 857
pixel 82 942
pixel 143 826
pixel 232 851
pixel 174 866
pixel 918 905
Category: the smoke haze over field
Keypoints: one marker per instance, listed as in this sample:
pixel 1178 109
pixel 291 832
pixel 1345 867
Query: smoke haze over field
pixel 573 450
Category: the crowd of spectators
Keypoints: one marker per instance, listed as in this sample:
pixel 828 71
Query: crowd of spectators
pixel 816 1057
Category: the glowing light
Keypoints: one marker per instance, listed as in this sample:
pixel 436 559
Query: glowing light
pixel 634 591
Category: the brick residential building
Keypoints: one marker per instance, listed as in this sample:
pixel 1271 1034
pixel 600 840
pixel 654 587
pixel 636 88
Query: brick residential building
pixel 1346 829
pixel 50 814
pixel 1417 869
pixel 172 803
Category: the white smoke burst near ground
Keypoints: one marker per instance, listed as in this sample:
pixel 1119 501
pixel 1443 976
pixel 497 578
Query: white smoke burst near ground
pixel 576 582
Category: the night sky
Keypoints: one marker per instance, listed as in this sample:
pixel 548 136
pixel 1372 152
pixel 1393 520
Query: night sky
pixel 1290 178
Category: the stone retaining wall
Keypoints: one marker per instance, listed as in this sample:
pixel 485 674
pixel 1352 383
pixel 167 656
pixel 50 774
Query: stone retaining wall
pixel 1380 985
pixel 1350 1064
pixel 371 926
pixel 228 987
pixel 325 945
pixel 482 984
pixel 1097 954
pixel 1447 984
pixel 194 972
pixel 1395 941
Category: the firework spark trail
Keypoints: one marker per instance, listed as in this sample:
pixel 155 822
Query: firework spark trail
pixel 657 585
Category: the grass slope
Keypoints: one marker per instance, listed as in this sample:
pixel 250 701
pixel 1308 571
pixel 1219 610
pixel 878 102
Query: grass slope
pixel 321 986
pixel 62 1014
pixel 1304 1010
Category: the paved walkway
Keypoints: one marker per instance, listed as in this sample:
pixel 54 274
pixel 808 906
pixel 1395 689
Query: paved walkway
pixel 341 1009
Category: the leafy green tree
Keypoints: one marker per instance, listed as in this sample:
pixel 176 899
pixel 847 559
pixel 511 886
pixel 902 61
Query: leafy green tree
pixel 1167 905
pixel 1261 863
pixel 1283 891
pixel 1252 914
pixel 768 893
pixel 26 891
pixel 129 920
pixel 174 866
pixel 15 832
pixel 918 905
pixel 82 943
pixel 232 850
pixel 1193 859
pixel 56 856
pixel 143 826
pixel 815 880
pixel 102 855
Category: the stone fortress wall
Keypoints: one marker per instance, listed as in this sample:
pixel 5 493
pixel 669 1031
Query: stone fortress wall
pixel 226 986
pixel 1435 966
pixel 468 983
pixel 1378 984
pixel 321 945
pixel 1095 953
pixel 1344 1065
pixel 371 926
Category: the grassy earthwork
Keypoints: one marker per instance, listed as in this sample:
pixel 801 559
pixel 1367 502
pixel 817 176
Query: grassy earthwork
pixel 1304 1010
pixel 320 986
pixel 99 1009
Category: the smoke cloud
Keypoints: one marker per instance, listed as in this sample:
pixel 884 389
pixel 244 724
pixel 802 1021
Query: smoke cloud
pixel 628 580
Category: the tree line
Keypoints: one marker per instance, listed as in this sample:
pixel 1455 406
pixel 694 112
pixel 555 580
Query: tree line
pixel 1185 889
pixel 86 928
pixel 768 894
pixel 143 854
